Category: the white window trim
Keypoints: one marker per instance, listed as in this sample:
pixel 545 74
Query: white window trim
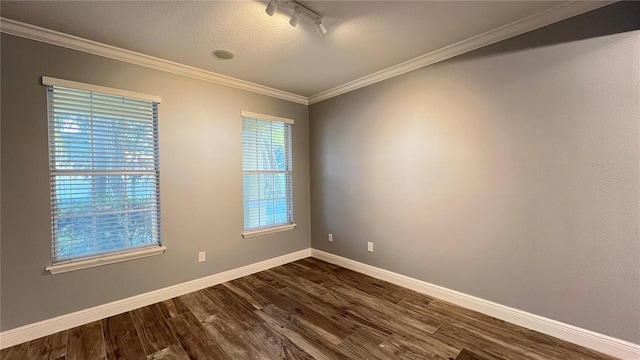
pixel 99 89
pixel 271 230
pixel 63 267
pixel 125 255
pixel 277 228
pixel 253 115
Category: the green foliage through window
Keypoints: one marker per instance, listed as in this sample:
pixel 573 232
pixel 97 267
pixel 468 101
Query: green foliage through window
pixel 267 173
pixel 104 173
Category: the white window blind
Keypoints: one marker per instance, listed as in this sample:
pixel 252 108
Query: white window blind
pixel 267 172
pixel 104 173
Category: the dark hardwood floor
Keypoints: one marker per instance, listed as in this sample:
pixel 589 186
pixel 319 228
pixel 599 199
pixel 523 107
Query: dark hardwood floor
pixel 308 309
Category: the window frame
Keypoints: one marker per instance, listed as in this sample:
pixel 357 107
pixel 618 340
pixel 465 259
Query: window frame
pixel 120 255
pixel 289 225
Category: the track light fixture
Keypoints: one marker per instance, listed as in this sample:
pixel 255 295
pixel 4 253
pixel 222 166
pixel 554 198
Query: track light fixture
pixel 298 13
pixel 321 29
pixel 272 7
pixel 295 17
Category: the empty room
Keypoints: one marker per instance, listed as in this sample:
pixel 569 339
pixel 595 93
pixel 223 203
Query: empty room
pixel 279 179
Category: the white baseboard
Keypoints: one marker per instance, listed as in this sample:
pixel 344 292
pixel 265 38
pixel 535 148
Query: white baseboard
pixel 592 340
pixel 603 343
pixel 60 323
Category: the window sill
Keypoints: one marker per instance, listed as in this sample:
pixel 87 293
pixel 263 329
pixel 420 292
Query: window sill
pixel 105 260
pixel 252 233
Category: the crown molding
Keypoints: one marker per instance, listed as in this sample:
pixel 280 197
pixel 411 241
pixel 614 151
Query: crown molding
pixel 37 33
pixel 547 17
pixel 536 21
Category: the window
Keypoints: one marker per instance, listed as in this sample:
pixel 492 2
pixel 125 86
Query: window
pixel 267 174
pixel 104 174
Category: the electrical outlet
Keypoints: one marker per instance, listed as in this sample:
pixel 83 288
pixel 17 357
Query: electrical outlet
pixel 202 256
pixel 370 247
pixel 330 237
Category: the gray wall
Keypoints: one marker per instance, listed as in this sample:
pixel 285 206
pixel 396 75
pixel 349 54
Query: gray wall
pixel 201 183
pixel 510 173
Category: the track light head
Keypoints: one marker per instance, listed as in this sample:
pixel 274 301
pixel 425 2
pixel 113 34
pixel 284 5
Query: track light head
pixel 295 18
pixel 271 8
pixel 299 13
pixel 321 29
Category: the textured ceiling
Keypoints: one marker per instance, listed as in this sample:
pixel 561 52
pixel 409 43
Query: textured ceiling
pixel 364 36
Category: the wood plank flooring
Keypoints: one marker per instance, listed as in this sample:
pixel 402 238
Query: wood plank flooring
pixel 308 309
